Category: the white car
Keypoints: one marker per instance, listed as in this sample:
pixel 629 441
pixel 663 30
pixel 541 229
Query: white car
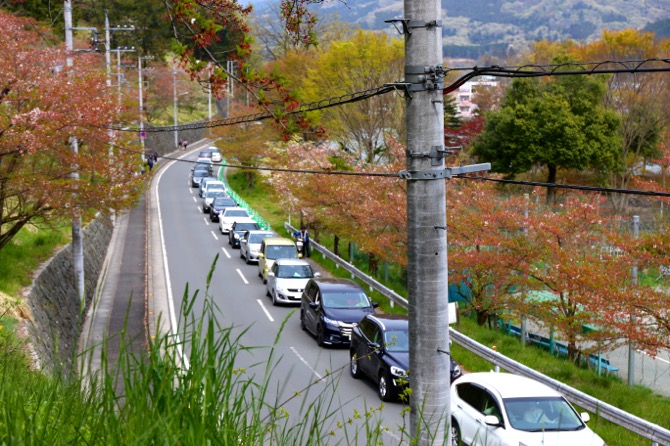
pixel 287 279
pixel 228 216
pixel 250 244
pixel 216 155
pixel 501 409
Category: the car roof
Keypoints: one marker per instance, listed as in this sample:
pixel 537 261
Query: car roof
pixel 292 262
pixel 244 220
pixel 391 321
pixel 235 208
pixel 278 241
pixel 337 284
pixel 508 385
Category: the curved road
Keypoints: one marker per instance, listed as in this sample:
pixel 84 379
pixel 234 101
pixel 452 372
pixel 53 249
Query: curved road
pixel 183 245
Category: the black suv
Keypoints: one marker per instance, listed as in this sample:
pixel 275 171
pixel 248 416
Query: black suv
pixel 330 307
pixel 380 350
pixel 237 231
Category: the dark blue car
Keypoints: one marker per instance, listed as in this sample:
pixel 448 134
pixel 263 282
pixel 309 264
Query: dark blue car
pixel 380 350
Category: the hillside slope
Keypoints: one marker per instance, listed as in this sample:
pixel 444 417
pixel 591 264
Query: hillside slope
pixel 494 27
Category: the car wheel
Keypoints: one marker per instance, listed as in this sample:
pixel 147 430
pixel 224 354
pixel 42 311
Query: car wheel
pixel 275 302
pixel 246 259
pixel 385 387
pixel 241 255
pixel 267 292
pixel 455 434
pixel 302 321
pixel 353 365
pixel 320 336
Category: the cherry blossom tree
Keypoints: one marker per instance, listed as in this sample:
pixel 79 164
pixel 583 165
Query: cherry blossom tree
pixel 44 104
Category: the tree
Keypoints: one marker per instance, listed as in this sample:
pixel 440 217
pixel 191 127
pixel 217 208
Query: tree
pixel 363 61
pixel 486 247
pixel 559 124
pixel 640 100
pixel 44 104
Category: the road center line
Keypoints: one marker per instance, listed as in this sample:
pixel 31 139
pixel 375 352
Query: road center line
pixel 246 282
pixel 225 252
pixel 304 361
pixel 267 313
pixel 194 200
pixel 214 235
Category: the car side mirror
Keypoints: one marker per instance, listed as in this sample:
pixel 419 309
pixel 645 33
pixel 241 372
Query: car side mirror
pixel 375 304
pixel 313 305
pixel 491 420
pixel 317 275
pixel 243 240
pixel 261 255
pixel 271 274
pixel 585 417
pixel 374 346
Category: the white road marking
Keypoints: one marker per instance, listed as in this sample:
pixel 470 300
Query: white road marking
pixel 225 252
pixel 267 313
pixel 214 235
pixel 654 357
pixel 246 282
pixel 194 200
pixel 304 361
pixel 171 310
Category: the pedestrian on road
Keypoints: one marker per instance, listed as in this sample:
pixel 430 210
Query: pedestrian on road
pixel 185 144
pixel 181 144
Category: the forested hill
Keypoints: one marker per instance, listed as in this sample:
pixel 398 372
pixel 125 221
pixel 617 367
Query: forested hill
pixel 476 27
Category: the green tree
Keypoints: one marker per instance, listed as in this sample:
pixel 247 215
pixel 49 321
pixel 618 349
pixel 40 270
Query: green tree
pixel 559 124
pixel 365 60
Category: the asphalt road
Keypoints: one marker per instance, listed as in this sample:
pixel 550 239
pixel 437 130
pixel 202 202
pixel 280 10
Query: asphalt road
pixel 185 243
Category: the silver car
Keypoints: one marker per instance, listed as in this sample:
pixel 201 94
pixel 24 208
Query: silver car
pixel 250 244
pixel 287 279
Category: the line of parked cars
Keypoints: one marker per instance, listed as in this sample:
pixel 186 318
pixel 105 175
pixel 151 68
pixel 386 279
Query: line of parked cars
pixel 487 408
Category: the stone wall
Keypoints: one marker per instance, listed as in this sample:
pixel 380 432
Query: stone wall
pixel 57 313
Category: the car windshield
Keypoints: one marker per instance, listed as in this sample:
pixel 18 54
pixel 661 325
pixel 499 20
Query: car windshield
pixel 352 299
pixel 258 238
pixel 541 414
pixel 396 340
pixel 224 201
pixel 281 252
pixel 215 193
pixel 206 154
pixel 200 173
pixel 245 226
pixel 294 272
pixel 237 213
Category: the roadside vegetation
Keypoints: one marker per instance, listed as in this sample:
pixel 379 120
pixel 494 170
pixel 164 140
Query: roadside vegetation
pixel 637 400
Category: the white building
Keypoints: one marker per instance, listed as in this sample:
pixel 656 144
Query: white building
pixel 465 93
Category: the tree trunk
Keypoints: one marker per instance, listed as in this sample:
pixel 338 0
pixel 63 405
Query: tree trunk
pixel 336 245
pixel 551 179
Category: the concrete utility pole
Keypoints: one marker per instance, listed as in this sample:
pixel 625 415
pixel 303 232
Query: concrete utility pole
pixel 139 67
pixel 77 235
pixel 427 223
pixel 631 344
pixel 176 122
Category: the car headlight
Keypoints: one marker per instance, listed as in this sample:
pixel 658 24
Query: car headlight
pixel 236 236
pixel 331 321
pixel 397 371
pixel 457 370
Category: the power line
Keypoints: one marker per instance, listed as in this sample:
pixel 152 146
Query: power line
pixel 569 186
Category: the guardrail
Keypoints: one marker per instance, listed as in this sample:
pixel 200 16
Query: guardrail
pixel 393 297
pixel 655 433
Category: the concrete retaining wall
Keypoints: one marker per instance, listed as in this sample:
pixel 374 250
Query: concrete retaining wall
pixel 163 141
pixel 58 314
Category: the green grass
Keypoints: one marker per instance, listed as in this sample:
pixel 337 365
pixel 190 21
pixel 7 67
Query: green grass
pixel 25 252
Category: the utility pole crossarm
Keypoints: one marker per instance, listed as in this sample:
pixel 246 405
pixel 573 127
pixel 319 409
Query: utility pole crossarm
pixel 448 173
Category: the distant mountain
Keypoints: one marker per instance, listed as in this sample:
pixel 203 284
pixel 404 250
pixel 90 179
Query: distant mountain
pixel 474 28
